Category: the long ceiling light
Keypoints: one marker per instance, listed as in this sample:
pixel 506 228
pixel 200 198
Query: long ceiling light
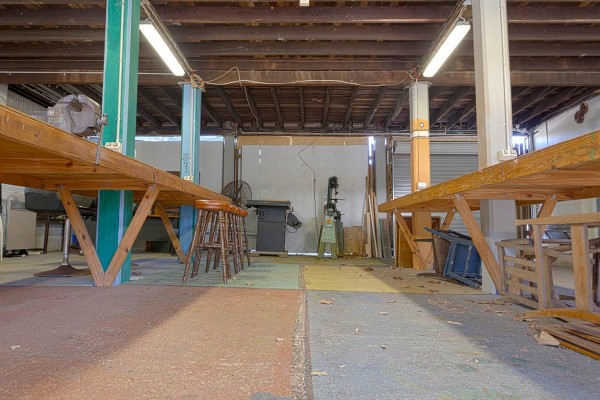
pixel 158 42
pixel 457 34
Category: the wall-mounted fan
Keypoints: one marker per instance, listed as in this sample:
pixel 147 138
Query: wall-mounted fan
pixel 239 192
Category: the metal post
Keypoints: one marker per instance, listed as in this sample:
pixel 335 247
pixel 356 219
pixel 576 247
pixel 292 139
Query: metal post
pixel 419 158
pixel 494 113
pixel 190 156
pixel 119 102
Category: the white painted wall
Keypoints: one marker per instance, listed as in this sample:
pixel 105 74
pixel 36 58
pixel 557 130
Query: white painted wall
pixel 279 173
pixel 166 155
pixel 563 127
pixel 12 192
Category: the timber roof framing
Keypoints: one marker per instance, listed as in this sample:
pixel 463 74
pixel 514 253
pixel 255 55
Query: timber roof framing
pixel 332 67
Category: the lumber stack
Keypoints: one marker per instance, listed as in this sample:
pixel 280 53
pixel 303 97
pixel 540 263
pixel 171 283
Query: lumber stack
pixel 580 336
pixel 372 229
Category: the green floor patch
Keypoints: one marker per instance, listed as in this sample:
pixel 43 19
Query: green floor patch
pixel 259 275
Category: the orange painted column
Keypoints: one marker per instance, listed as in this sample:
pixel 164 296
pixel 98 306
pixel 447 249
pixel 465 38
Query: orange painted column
pixel 419 159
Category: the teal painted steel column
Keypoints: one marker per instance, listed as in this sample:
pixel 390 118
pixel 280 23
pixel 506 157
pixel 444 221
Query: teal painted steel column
pixel 119 102
pixel 190 156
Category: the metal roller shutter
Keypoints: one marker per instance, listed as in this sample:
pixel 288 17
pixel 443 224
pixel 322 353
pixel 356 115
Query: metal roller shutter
pixel 448 160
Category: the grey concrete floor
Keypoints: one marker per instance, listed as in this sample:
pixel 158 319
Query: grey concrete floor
pixel 412 346
pixel 364 345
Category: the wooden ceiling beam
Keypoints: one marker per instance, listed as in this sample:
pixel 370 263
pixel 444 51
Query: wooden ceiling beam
pixel 147 115
pixel 175 95
pixel 374 107
pixel 349 108
pixel 551 15
pixel 572 101
pixel 326 105
pixel 298 15
pixel 214 15
pixel 449 105
pixel 546 105
pixel 227 101
pixel 461 114
pixel 317 78
pixel 399 32
pixel 31 94
pixel 315 49
pixel 253 106
pixel 91 93
pixel 162 109
pixel 319 64
pixel 533 32
pixel 277 107
pixel 207 109
pixel 398 107
pixel 532 98
pixel 301 106
pixel 194 34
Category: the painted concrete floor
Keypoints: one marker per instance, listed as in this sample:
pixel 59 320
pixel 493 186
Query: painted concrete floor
pixel 286 328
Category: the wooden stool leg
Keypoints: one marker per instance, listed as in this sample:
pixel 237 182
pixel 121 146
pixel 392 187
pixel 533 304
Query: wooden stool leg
pixel 224 246
pixel 201 241
pixel 193 245
pixel 232 228
pixel 246 241
pixel 240 237
pixel 213 238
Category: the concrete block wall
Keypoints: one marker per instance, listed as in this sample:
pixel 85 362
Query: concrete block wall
pixel 281 172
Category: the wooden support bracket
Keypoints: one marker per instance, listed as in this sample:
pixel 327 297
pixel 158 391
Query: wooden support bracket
pixel 82 234
pixel 170 231
pixel 130 235
pixel 448 220
pixel 421 264
pixel 546 210
pixel 489 260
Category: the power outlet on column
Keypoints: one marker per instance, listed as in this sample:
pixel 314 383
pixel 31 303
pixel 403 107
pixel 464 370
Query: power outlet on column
pixel 505 155
pixel 114 146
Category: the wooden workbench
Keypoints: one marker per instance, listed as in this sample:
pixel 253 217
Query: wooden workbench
pixel 35 154
pixel 566 171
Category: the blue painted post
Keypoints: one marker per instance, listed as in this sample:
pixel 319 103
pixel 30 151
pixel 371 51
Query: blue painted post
pixel 190 156
pixel 119 102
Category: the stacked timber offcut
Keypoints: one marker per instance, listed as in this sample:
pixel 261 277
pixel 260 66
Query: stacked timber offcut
pixel 376 231
pixel 580 336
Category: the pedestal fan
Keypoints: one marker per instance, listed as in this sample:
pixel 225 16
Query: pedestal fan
pixel 239 192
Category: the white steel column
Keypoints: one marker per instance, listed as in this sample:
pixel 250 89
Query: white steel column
pixel 3 94
pixel 229 160
pixel 494 113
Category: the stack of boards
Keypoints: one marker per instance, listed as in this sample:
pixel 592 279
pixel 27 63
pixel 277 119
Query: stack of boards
pixel 580 336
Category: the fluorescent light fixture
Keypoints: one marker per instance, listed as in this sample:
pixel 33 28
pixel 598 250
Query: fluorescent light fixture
pixel 304 3
pixel 158 42
pixel 443 52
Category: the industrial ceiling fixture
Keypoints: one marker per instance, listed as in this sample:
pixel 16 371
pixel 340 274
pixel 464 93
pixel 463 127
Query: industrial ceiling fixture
pixel 160 38
pixel 453 32
pixel 158 43
pixel 457 34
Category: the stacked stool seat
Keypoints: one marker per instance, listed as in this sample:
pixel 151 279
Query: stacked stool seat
pixel 220 232
pixel 210 235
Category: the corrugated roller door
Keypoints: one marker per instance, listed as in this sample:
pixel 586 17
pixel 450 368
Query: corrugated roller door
pixel 448 160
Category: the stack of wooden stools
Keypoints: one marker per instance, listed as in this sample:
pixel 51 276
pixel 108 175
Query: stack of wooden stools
pixel 220 232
